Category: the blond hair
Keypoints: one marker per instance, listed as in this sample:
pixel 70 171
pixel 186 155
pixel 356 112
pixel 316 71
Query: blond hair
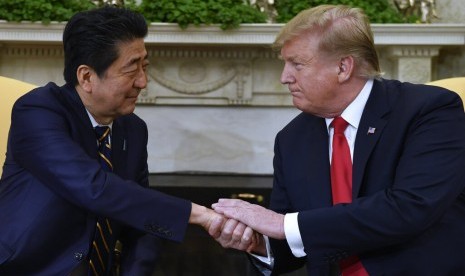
pixel 344 31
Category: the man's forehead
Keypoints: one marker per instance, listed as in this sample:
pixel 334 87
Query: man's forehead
pixel 132 52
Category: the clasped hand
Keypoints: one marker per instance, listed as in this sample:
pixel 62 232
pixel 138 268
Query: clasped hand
pixel 241 225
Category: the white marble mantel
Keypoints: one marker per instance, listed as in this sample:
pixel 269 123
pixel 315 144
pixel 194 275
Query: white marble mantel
pixel 400 46
pixel 247 34
pixel 214 102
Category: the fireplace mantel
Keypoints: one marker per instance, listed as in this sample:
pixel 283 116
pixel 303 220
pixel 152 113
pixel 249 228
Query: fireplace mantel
pixel 214 102
pixel 247 34
pixel 209 66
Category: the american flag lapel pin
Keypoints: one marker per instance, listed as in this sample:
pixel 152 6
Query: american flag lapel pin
pixel 371 130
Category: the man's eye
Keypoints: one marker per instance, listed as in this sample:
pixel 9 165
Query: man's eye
pixel 298 66
pixel 132 69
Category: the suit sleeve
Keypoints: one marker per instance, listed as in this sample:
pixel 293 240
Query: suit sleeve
pixel 284 260
pixel 44 147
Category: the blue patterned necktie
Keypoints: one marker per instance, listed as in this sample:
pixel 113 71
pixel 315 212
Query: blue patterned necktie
pixel 104 241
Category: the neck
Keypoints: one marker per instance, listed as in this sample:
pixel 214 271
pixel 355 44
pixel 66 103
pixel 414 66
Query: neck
pixel 348 91
pixel 90 107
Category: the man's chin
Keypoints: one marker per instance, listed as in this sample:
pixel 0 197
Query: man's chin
pixel 128 110
pixel 297 102
pixel 302 105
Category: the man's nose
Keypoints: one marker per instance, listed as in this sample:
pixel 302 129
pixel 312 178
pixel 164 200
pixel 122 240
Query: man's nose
pixel 141 80
pixel 286 75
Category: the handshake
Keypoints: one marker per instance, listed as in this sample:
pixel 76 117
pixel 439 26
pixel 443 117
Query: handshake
pixel 238 224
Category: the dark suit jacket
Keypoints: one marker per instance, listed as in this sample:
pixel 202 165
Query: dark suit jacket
pixel 408 211
pixel 53 187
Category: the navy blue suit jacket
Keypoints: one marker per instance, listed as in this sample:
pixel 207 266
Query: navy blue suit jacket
pixel 408 211
pixel 53 187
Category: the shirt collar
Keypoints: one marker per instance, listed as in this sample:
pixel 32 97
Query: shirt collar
pixel 353 113
pixel 94 122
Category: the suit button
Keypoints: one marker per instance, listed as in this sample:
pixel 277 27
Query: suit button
pixel 78 256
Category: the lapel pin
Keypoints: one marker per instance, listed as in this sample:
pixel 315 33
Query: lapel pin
pixel 371 130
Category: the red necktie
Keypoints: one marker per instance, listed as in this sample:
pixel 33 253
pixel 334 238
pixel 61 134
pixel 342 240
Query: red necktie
pixel 341 164
pixel 341 186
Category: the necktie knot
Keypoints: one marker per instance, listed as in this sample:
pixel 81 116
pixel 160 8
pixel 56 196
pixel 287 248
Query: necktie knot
pixel 104 147
pixel 339 125
pixel 101 132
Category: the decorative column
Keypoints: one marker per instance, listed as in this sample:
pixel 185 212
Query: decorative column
pixel 412 63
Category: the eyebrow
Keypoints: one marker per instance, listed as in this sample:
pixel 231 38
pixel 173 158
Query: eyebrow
pixel 300 59
pixel 293 58
pixel 135 60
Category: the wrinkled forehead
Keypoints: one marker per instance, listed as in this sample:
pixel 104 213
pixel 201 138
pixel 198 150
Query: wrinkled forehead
pixel 132 51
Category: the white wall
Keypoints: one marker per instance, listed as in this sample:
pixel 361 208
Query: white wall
pixel 213 139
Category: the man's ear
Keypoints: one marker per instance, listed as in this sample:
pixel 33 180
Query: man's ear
pixel 85 75
pixel 346 68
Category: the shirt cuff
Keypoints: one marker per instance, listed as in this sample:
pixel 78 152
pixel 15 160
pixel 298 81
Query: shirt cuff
pixel 268 259
pixel 293 237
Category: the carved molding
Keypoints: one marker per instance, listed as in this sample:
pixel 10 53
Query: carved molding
pixel 419 34
pixel 247 34
pixel 191 79
pixel 208 80
pixel 18 50
pixel 208 51
pixel 413 51
pixel 209 66
pixel 413 63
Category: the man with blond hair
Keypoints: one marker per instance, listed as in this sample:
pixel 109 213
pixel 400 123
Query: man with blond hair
pixel 369 179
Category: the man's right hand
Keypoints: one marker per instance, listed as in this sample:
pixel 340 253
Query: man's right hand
pixel 237 235
pixel 259 218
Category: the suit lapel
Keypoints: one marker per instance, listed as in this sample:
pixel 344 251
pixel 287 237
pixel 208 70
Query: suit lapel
pixel 321 167
pixel 119 147
pixel 118 136
pixel 314 162
pixel 86 130
pixel 371 126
